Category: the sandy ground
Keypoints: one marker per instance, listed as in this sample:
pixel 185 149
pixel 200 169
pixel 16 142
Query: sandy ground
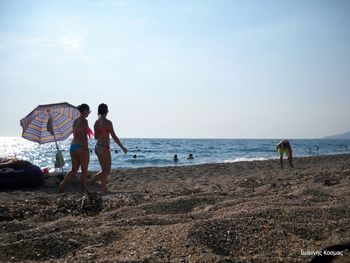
pixel 238 212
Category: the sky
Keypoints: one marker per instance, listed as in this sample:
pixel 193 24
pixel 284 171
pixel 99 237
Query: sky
pixel 181 69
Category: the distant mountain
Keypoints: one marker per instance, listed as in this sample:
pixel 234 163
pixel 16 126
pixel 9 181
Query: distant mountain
pixel 342 136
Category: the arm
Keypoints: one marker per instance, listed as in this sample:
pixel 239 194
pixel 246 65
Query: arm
pixel 277 146
pixel 290 150
pixel 116 139
pixel 96 134
pixel 85 137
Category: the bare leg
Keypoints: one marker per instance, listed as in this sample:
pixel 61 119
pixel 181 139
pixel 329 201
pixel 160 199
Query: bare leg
pixel 290 159
pixel 84 160
pixel 104 157
pixel 72 172
pixel 97 177
pixel 106 169
pixel 281 162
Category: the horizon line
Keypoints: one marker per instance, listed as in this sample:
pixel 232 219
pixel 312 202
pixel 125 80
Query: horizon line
pixel 201 138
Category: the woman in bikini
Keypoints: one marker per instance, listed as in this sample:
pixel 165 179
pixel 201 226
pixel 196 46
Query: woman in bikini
pixel 103 128
pixel 79 150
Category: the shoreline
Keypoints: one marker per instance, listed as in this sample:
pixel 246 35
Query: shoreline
pixel 223 212
pixel 254 159
pixel 228 162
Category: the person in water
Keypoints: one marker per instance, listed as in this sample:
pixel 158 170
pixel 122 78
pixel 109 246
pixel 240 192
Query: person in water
pixel 175 158
pixel 190 156
pixel 79 150
pixel 103 128
pixel 284 147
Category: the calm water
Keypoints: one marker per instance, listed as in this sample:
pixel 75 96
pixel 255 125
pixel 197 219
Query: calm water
pixel 160 152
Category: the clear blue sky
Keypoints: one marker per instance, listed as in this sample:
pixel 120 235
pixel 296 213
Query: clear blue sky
pixel 181 69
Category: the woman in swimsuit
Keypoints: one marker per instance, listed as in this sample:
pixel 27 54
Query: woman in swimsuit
pixel 103 128
pixel 79 150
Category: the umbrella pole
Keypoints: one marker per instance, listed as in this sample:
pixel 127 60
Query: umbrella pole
pixel 56 142
pixel 57 147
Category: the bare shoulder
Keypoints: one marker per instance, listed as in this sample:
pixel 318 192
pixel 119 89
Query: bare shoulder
pixel 77 123
pixel 109 123
pixel 97 123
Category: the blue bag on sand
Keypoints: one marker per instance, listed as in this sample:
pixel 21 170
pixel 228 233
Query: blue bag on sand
pixel 17 173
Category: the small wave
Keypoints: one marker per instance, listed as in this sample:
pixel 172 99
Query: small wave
pixel 140 161
pixel 245 159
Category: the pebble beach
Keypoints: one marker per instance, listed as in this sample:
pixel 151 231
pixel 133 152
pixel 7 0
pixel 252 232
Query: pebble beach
pixel 224 212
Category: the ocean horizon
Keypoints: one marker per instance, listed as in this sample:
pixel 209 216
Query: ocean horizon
pixel 161 151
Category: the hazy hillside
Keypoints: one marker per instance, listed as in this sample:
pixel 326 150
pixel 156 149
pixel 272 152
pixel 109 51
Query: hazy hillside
pixel 342 136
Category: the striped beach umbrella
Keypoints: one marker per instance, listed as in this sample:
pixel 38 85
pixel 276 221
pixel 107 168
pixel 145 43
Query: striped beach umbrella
pixel 49 123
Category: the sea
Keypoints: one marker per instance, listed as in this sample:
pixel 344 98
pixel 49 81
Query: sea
pixel 160 152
